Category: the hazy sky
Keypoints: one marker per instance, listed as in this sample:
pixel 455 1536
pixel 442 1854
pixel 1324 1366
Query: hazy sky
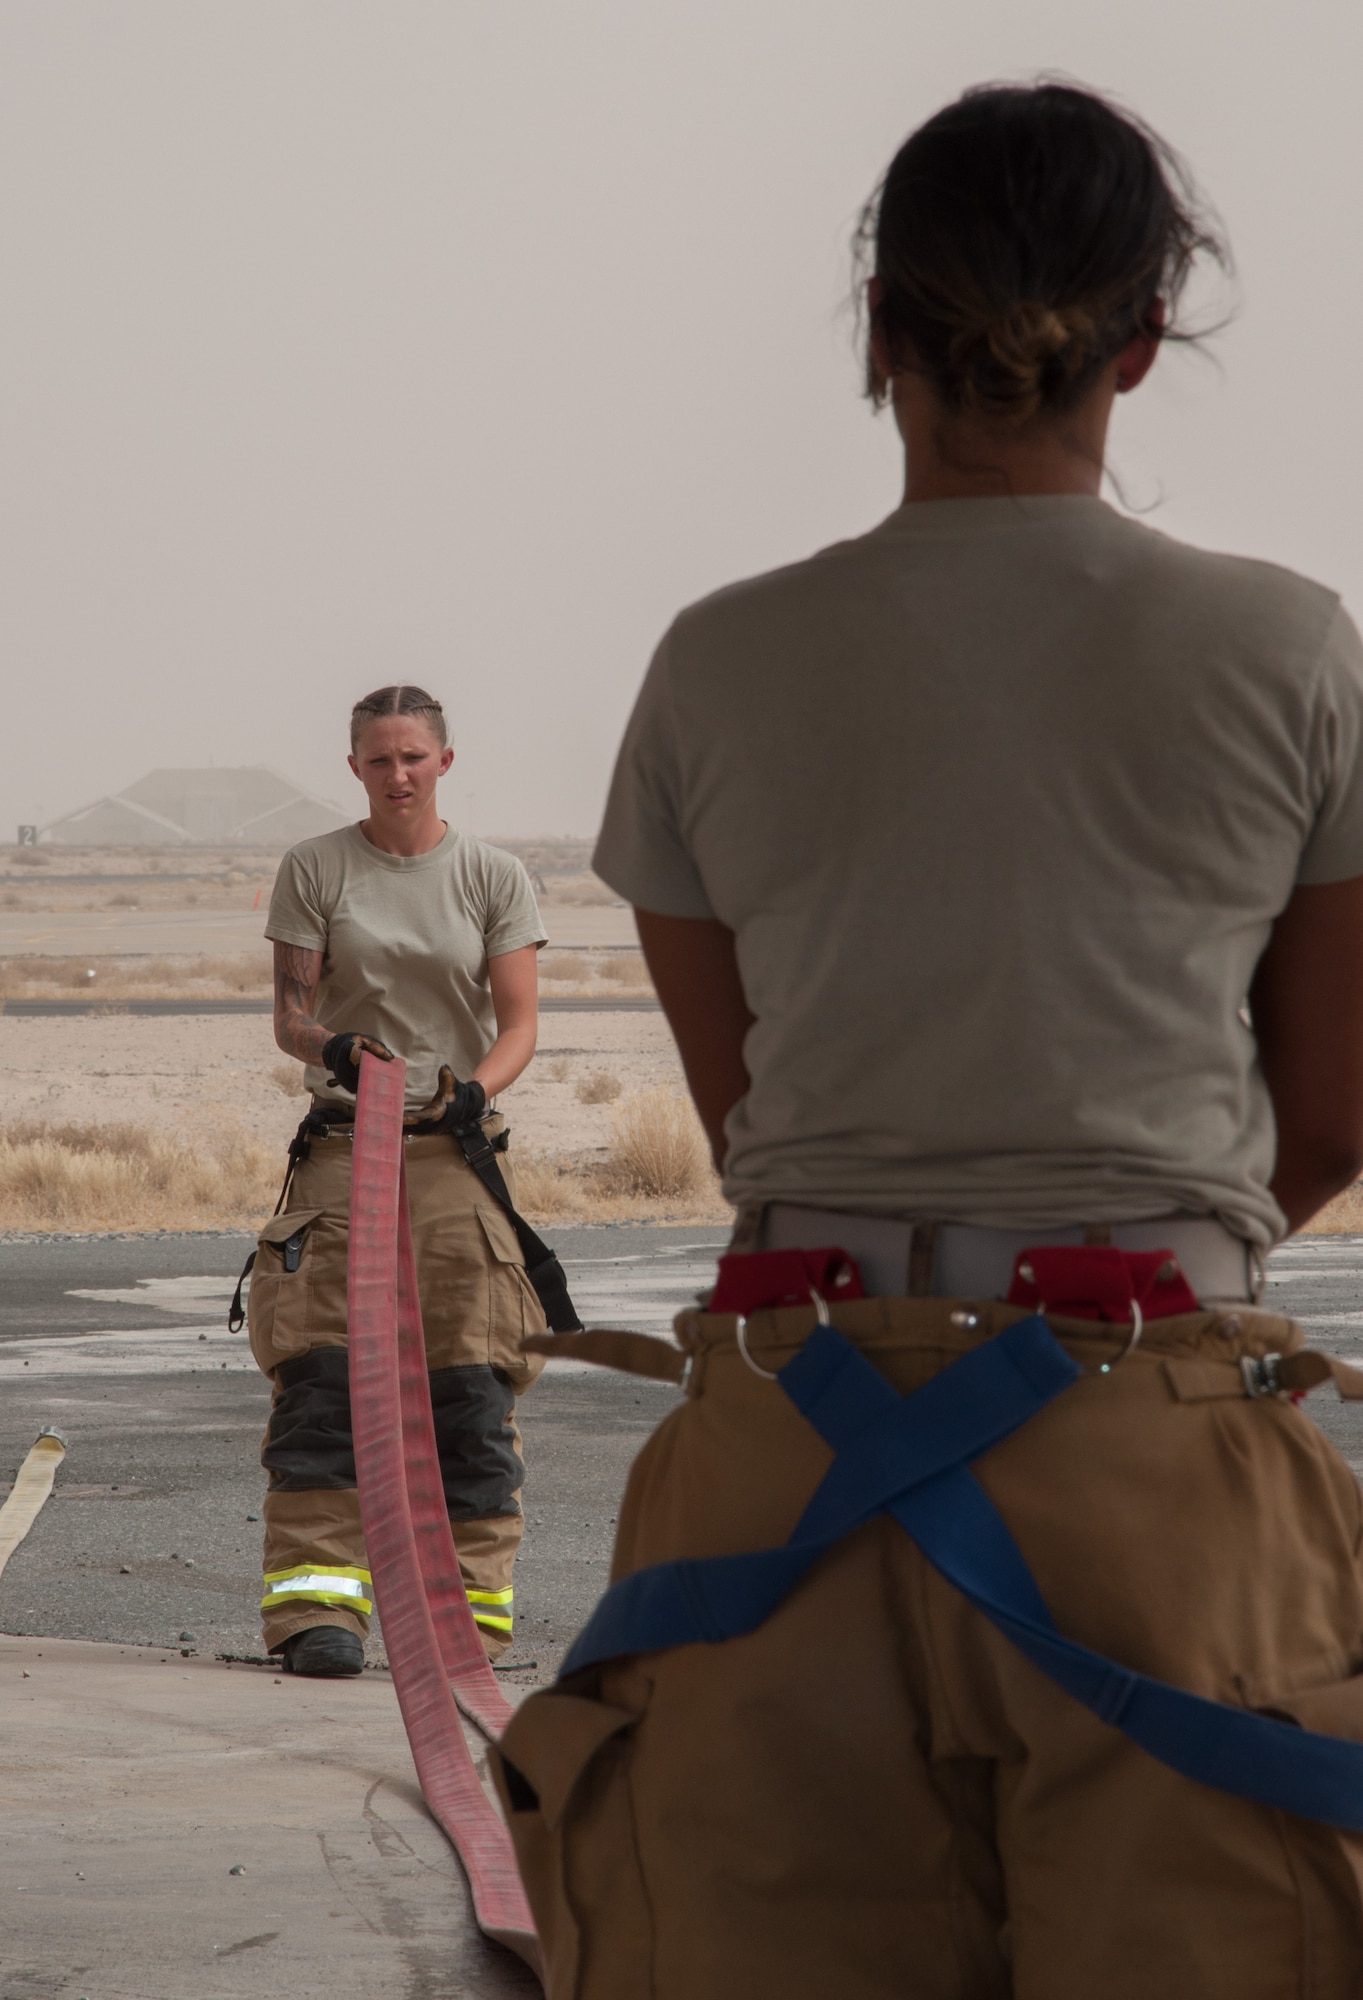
pixel 352 340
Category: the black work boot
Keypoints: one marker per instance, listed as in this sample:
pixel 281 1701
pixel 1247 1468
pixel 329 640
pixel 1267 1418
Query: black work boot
pixel 327 1652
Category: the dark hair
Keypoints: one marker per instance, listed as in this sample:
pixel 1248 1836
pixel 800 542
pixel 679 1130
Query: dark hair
pixel 1022 237
pixel 403 699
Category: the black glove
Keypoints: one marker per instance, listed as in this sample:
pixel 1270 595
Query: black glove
pixel 341 1057
pixel 454 1105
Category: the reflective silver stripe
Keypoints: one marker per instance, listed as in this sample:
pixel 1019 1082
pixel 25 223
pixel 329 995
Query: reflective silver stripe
pixel 348 1587
pixel 313 1581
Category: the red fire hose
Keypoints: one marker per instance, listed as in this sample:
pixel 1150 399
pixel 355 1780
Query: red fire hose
pixel 434 1648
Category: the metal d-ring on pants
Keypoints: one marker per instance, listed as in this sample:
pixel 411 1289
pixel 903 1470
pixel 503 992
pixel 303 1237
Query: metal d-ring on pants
pixel 477 1306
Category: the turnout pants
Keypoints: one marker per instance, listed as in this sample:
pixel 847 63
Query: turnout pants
pixel 874 1796
pixel 477 1307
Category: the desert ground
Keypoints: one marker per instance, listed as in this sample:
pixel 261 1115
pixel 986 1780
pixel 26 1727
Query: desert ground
pixel 113 1120
pixel 217 1088
pixel 119 1121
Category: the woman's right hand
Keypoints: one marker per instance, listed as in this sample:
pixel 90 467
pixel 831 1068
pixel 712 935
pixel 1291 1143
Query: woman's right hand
pixel 341 1057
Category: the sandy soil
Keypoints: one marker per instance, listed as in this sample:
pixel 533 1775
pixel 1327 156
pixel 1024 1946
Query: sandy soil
pixel 191 1072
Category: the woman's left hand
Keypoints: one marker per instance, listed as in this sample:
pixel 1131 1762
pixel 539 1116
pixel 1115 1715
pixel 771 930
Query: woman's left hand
pixel 454 1105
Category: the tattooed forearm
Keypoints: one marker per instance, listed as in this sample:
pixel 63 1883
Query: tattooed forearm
pixel 297 975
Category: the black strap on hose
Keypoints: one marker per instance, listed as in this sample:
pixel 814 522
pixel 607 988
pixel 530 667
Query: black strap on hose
pixel 299 1147
pixel 542 1267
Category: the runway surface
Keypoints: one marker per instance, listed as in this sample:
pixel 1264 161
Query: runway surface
pixel 121 1343
pixel 133 933
pixel 550 1003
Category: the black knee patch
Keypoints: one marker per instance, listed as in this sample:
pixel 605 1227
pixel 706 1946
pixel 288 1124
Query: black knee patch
pixel 309 1445
pixel 479 1466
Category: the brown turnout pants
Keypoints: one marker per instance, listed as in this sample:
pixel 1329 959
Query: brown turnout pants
pixel 874 1796
pixel 477 1307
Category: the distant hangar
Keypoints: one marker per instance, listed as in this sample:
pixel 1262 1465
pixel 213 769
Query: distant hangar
pixel 250 805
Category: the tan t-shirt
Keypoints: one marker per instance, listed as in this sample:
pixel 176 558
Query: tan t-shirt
pixel 1000 801
pixel 407 939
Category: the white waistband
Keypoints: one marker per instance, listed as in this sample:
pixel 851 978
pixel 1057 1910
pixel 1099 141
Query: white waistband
pixel 970 1262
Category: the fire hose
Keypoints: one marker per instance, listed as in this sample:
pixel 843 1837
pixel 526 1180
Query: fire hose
pixel 435 1652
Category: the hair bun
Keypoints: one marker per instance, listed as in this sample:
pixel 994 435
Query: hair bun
pixel 1020 357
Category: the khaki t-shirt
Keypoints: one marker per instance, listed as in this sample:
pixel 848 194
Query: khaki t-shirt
pixel 407 940
pixel 1000 801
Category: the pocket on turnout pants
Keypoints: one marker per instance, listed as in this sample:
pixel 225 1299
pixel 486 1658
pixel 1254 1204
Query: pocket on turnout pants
pixel 1327 1863
pixel 563 1773
pixel 513 1304
pixel 279 1311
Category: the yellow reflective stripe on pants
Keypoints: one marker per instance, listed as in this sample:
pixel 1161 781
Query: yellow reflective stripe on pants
pixel 348 1587
pixel 493 1608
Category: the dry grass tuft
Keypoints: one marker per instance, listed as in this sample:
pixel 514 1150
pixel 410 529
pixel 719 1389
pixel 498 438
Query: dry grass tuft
pixel 658 1148
pixel 619 974
pixel 248 975
pixel 96 1177
pixel 601 1087
pixel 289 1078
pixel 582 888
pixel 623 968
pixel 566 968
pixel 208 977
pixel 125 1176
pixel 551 1189
pixel 562 1188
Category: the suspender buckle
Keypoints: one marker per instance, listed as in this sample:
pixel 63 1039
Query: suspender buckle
pixel 1261 1374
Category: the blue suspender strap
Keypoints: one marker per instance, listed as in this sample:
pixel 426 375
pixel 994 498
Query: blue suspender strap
pixel 907 1438
pixel 909 1456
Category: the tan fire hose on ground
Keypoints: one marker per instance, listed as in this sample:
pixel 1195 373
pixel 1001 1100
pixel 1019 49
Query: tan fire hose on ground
pixel 31 1488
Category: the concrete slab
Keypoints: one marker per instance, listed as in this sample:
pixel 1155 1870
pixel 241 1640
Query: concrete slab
pixel 137 1782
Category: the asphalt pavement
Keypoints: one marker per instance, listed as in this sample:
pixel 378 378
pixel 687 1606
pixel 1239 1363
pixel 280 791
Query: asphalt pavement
pixel 152 1532
pixel 121 1343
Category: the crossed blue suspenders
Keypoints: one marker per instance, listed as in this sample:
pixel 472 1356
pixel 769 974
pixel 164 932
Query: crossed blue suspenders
pixel 910 1457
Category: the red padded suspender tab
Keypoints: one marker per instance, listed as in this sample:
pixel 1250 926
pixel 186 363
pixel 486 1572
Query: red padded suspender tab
pixel 750 1282
pixel 1104 1283
pixel 427 1624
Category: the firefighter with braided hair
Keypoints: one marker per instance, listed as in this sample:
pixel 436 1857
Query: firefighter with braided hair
pixel 399 935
